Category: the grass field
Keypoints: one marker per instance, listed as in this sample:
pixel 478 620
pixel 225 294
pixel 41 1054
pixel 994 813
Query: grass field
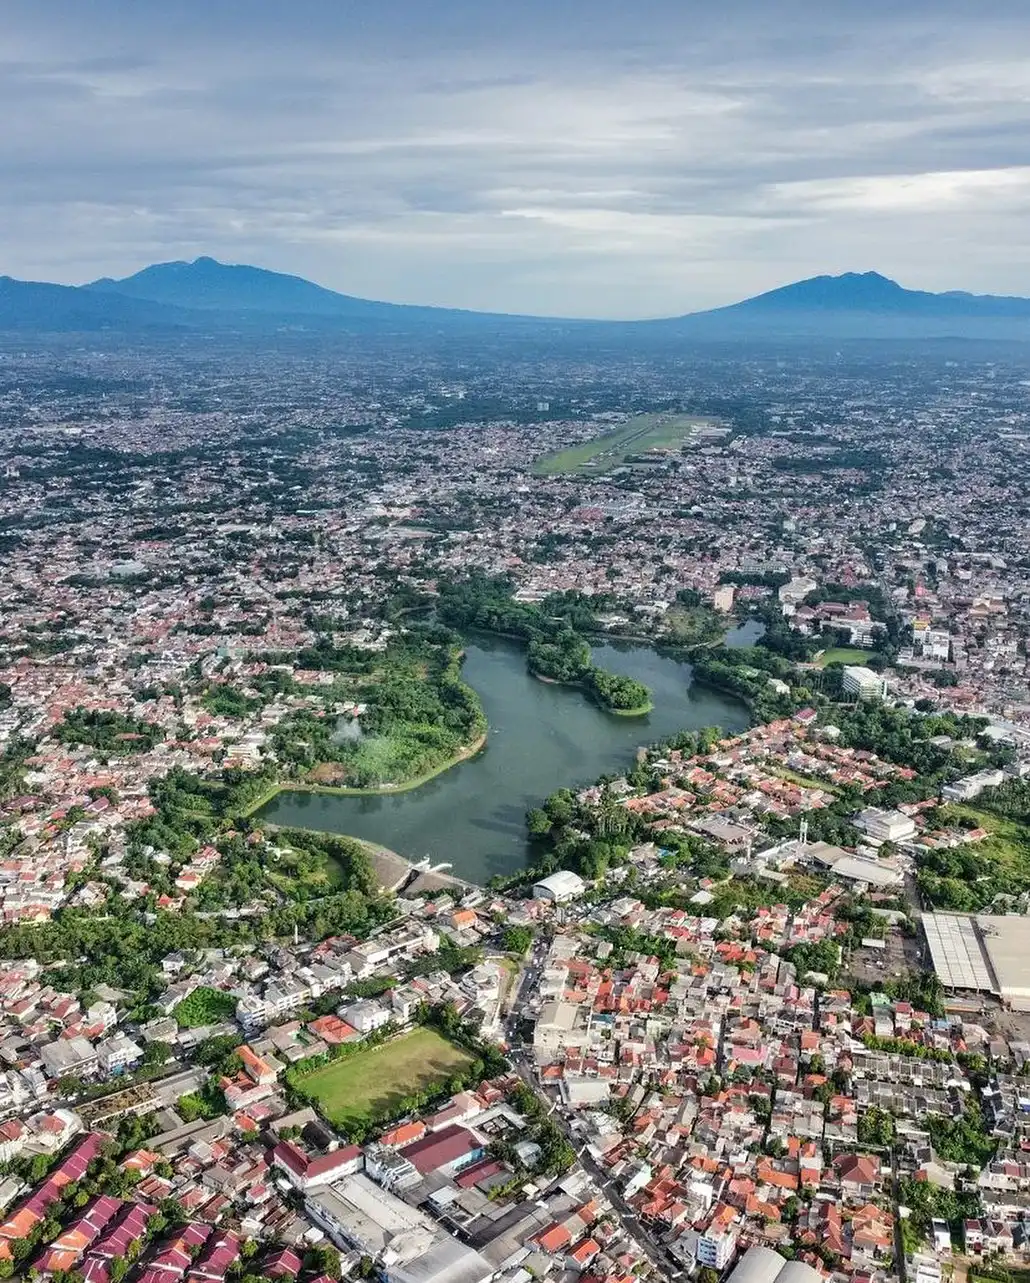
pixel 601 454
pixel 371 1083
pixel 204 1006
pixel 844 655
pixel 1009 842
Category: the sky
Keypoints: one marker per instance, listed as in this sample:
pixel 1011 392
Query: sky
pixel 608 158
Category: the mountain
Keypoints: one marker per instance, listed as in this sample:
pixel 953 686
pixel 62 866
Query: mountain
pixel 208 285
pixel 861 304
pixel 39 306
pixel 208 295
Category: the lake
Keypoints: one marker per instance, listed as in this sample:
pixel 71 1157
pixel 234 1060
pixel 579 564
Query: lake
pixel 542 737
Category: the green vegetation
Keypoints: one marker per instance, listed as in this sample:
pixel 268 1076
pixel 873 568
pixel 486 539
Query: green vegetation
pixel 746 671
pixel 207 1103
pixel 420 716
pixel 973 876
pixel 844 655
pixel 517 939
pixel 962 1140
pixel 320 884
pixel 616 693
pixel 690 623
pixel 12 767
pixel 602 454
pixel 876 1127
pixel 228 701
pixel 565 659
pixel 204 1006
pixel 556 1154
pixel 927 1202
pixel 556 651
pixel 822 957
pixel 108 732
pixel 372 1084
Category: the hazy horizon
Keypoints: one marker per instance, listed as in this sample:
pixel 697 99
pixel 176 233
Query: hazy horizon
pixel 582 160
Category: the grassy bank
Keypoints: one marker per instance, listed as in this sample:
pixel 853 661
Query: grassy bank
pixel 378 790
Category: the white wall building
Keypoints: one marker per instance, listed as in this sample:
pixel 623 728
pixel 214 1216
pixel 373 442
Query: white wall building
pixel 863 683
pixel 559 887
pixel 885 826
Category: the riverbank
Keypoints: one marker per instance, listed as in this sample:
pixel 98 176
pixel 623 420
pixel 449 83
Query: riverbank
pixel 396 873
pixel 464 754
pixel 540 738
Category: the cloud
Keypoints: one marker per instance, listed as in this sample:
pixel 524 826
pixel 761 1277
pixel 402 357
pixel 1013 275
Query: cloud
pixel 588 158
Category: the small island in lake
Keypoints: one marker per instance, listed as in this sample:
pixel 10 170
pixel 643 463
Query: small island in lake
pixel 567 659
pixel 556 649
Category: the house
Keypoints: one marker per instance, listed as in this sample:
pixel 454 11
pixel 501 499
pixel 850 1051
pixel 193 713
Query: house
pixel 872 1232
pixel 365 1015
pixel 69 1057
pixel 859 1175
pixel 258 1069
pixel 447 1151
pixel 305 1172
pixel 119 1054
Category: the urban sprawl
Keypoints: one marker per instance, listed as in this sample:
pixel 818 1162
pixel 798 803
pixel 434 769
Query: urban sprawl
pixel 757 1007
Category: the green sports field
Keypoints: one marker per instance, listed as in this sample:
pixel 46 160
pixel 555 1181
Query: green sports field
pixel 370 1084
pixel 844 655
pixel 601 454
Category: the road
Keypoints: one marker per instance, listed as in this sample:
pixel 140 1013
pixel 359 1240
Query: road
pixel 663 1262
pixel 665 1265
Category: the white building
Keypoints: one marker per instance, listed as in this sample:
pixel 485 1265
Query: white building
pixel 365 1015
pixel 971 786
pixel 715 1247
pixel 885 826
pixel 118 1053
pixel 559 887
pixel 863 683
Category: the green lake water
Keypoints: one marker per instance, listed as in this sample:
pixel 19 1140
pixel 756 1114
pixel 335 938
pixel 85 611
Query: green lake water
pixel 542 737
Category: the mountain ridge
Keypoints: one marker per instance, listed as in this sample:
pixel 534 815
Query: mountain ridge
pixel 205 293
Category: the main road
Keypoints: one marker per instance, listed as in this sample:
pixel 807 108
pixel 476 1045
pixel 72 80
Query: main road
pixel 654 1252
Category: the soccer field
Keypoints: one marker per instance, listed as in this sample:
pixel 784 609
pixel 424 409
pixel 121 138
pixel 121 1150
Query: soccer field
pixel 371 1083
pixel 844 655
pixel 641 433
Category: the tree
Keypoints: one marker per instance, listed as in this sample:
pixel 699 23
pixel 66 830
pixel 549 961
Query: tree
pixel 538 822
pixel 517 939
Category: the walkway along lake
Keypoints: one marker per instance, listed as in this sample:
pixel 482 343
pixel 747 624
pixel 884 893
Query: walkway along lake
pixel 542 737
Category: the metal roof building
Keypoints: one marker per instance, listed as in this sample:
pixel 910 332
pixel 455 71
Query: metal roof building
pixel 763 1265
pixel 984 952
pixel 957 954
pixel 560 887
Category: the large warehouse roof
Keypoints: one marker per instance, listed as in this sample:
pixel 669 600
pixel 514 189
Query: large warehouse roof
pixel 1005 938
pixel 763 1265
pixel 987 952
pixel 958 955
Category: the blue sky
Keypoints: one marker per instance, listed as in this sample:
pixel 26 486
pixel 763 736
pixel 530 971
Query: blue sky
pixel 574 157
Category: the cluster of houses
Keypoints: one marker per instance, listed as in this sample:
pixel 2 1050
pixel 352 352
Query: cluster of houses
pixel 734 1104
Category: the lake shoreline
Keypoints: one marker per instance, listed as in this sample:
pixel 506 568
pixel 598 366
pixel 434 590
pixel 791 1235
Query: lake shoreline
pixel 640 711
pixel 539 741
pixel 465 754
